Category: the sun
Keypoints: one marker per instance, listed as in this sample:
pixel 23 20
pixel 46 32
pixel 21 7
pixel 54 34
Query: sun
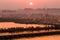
pixel 30 3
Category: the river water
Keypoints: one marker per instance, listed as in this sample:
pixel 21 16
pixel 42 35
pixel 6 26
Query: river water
pixel 54 37
pixel 12 24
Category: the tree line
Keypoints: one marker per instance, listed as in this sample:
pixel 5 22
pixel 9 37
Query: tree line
pixel 31 29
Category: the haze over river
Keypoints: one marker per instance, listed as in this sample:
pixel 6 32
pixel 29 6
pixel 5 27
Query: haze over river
pixel 12 24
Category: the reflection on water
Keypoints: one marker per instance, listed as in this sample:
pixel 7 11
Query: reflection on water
pixel 12 24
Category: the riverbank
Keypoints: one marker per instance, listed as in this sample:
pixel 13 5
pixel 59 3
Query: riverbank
pixel 30 35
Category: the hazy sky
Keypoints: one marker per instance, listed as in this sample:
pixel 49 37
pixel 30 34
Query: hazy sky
pixel 17 4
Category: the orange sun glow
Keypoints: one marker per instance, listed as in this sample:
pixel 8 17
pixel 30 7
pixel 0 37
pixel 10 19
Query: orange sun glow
pixel 30 3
